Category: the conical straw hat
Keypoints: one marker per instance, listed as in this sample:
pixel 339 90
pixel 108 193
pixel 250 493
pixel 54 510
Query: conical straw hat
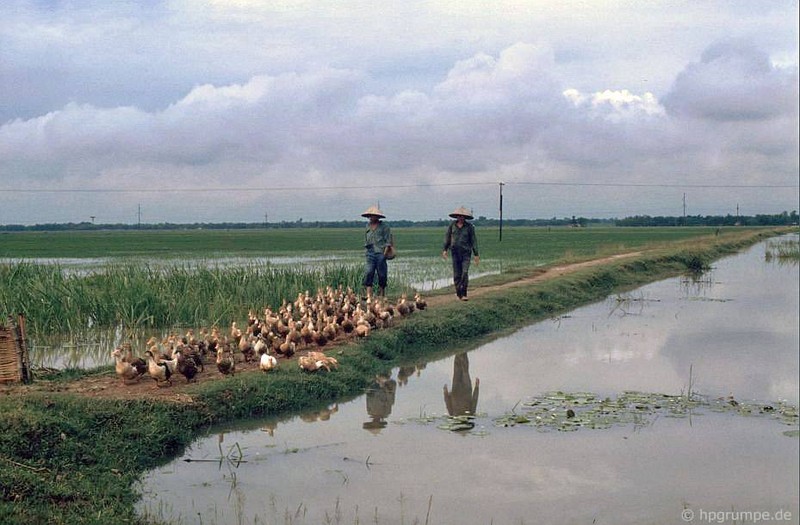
pixel 467 214
pixel 373 210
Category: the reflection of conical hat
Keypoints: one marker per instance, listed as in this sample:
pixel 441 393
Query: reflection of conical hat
pixel 467 214
pixel 374 426
pixel 373 210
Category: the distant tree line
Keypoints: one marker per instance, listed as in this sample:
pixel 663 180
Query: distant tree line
pixel 779 219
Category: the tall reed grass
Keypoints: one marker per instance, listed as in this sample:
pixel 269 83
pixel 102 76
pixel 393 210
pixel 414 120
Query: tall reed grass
pixel 155 296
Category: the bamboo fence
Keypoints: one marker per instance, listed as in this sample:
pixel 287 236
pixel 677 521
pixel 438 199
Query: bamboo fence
pixel 14 362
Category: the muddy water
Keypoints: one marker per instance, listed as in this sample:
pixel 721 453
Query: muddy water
pixel 382 458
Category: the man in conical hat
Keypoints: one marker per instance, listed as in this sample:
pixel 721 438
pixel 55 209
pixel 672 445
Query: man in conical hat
pixel 378 242
pixel 462 243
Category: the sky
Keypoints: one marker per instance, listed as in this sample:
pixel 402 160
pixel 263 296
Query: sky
pixel 244 111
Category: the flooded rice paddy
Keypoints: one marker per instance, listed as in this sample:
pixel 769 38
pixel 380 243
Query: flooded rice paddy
pixel 727 340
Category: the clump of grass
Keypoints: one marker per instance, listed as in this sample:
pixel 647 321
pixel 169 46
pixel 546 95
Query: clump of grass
pixel 783 251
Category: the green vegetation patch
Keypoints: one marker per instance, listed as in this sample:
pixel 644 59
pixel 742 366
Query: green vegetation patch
pixel 565 411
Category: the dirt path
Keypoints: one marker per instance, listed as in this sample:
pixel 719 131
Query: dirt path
pixel 538 275
pixel 109 386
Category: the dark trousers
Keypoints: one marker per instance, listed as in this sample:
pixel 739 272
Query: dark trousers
pixel 460 271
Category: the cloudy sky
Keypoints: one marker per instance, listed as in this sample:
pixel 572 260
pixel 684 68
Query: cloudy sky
pixel 241 110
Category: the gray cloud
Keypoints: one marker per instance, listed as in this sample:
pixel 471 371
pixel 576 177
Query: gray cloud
pixel 733 81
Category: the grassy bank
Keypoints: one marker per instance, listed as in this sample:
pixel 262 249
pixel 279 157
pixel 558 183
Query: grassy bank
pixel 69 459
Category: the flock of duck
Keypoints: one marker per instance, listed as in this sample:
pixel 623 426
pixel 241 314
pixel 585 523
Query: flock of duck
pixel 305 326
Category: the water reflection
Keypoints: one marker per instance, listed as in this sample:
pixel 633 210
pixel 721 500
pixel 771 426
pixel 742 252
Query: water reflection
pixel 92 347
pixel 319 415
pixel 270 426
pixel 699 285
pixel 404 372
pixel 81 349
pixel 633 303
pixel 380 399
pixel 462 399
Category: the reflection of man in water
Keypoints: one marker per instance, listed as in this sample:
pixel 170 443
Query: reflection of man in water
pixel 463 399
pixel 380 398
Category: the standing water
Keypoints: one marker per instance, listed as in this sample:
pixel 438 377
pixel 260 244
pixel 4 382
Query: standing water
pixel 728 338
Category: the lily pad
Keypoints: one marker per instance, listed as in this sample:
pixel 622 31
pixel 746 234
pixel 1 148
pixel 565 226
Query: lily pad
pixel 569 411
pixel 458 423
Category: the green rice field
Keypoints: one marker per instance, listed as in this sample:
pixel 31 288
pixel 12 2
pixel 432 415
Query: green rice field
pixel 69 281
pixel 517 243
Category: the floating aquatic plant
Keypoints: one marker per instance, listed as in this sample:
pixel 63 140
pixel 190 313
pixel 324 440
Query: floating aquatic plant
pixel 458 423
pixel 572 411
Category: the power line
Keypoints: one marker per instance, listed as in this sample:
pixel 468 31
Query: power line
pixel 395 186
pixel 227 189
pixel 658 185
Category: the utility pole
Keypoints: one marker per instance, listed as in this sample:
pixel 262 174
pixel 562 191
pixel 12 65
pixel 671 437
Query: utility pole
pixel 139 217
pixel 92 217
pixel 501 212
pixel 684 209
pixel 266 219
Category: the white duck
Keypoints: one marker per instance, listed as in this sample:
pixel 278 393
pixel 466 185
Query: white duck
pixel 267 362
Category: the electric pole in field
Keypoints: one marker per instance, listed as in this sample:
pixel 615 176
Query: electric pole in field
pixel 139 217
pixel 501 212
pixel 684 209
